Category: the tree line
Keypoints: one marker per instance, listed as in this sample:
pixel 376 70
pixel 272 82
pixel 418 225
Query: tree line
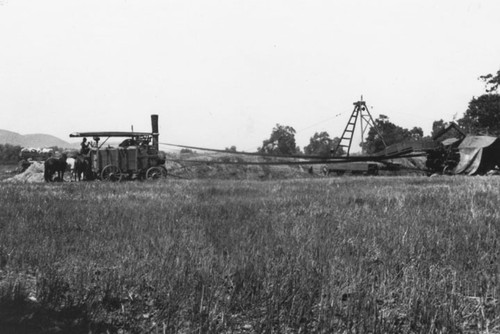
pixel 482 117
pixel 10 154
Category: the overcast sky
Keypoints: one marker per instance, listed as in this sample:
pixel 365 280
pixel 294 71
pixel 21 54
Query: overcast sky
pixel 222 73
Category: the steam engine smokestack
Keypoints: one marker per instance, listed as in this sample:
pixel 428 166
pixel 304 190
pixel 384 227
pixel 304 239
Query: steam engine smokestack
pixel 154 128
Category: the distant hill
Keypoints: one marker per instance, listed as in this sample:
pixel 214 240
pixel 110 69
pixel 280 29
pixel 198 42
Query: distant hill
pixel 33 140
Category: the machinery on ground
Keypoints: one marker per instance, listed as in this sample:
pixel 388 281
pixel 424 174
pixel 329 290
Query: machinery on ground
pixel 137 157
pixel 362 115
pixel 392 158
pixel 354 168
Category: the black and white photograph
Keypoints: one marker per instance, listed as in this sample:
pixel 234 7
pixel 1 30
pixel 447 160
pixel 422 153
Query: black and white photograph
pixel 249 166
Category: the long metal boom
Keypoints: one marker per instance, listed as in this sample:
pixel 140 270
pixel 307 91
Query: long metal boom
pixel 111 134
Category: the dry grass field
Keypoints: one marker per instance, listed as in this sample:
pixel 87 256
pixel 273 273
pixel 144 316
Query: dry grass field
pixel 343 255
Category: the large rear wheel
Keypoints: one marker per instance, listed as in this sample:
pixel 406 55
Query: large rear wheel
pixel 155 173
pixel 111 173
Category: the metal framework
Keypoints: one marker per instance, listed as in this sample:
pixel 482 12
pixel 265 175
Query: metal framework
pixel 135 157
pixel 362 113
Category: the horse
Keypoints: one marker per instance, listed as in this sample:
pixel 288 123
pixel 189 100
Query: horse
pixel 53 165
pixel 82 166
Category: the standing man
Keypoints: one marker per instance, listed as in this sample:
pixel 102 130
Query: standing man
pixel 85 147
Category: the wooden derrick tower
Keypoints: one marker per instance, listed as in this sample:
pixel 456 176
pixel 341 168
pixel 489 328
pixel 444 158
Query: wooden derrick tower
pixel 366 121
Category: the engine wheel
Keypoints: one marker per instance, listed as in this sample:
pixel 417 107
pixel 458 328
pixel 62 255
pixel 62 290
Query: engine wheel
pixel 155 173
pixel 111 173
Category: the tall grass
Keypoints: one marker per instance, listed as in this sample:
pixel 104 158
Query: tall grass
pixel 375 255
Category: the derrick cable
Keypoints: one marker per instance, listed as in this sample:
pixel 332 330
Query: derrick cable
pixel 323 121
pixel 246 153
pixel 250 153
pixel 296 156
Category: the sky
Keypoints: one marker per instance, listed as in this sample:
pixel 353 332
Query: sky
pixel 223 73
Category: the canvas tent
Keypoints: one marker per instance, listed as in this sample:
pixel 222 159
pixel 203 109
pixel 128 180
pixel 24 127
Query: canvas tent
pixel 478 154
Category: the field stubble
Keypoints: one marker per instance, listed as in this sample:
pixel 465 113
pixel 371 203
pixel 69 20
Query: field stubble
pixel 366 255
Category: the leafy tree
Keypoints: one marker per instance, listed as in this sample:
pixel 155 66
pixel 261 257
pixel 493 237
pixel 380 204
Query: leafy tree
pixel 492 81
pixel 438 126
pixel 416 133
pixel 391 134
pixel 9 153
pixel 187 151
pixel 281 141
pixel 321 144
pixel 231 149
pixel 482 116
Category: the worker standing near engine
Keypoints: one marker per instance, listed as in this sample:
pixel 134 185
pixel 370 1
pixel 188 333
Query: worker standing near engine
pixel 84 147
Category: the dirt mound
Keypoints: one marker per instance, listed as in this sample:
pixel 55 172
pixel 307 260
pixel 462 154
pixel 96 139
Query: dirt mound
pixel 33 174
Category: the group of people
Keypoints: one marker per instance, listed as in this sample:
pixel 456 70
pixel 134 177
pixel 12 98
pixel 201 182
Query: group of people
pixel 85 145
